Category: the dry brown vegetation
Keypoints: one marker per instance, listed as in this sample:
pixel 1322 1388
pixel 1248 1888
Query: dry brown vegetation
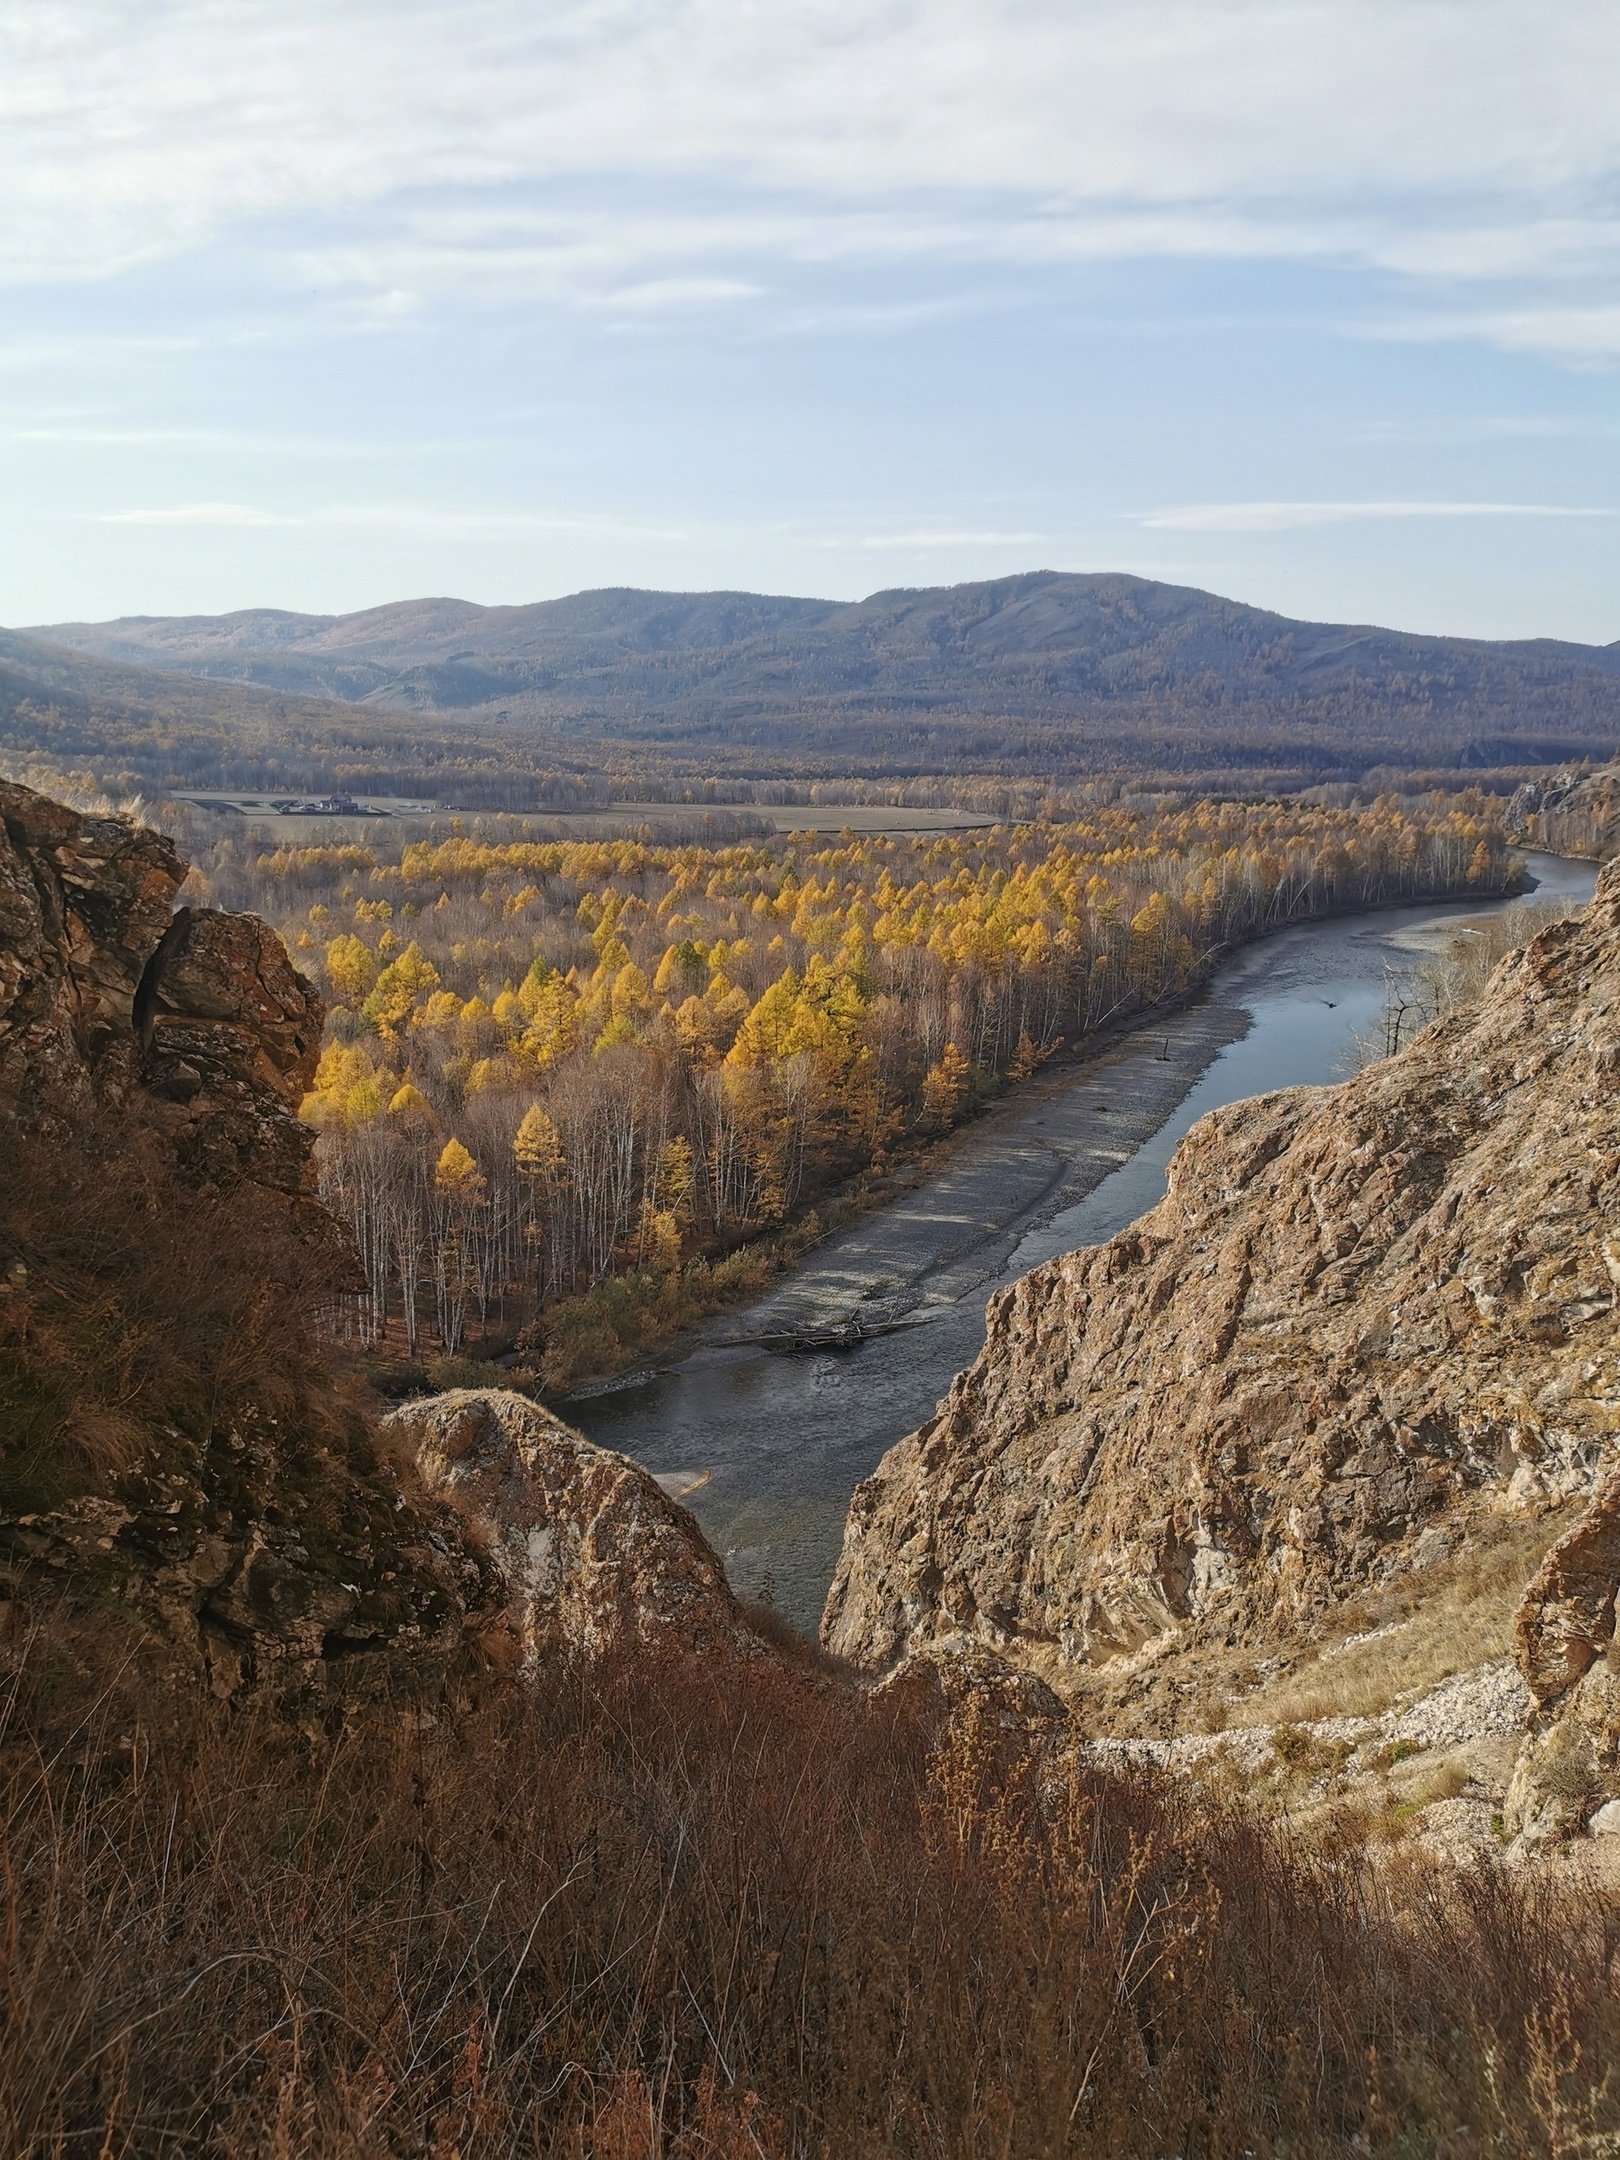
pixel 712 1912
pixel 1403 1638
pixel 128 1304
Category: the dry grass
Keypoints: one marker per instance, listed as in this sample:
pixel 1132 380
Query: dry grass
pixel 1398 1643
pixel 703 1913
pixel 128 1303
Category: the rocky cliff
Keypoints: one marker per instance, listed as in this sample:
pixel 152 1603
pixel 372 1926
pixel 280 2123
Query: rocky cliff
pixel 175 1454
pixel 1573 813
pixel 1364 1322
pixel 195 1023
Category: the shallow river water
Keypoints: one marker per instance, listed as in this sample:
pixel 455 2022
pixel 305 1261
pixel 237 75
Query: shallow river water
pixel 766 1447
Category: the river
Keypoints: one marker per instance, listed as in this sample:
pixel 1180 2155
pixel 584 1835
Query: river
pixel 766 1447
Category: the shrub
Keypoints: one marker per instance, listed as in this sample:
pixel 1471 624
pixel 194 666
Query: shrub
pixel 132 1304
pixel 695 1910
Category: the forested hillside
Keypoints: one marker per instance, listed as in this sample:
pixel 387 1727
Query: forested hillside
pixel 1048 672
pixel 105 727
pixel 551 1064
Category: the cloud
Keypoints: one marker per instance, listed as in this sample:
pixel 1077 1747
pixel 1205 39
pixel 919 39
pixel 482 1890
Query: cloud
pixel 1581 334
pixel 626 254
pixel 1274 517
pixel 472 521
pixel 433 520
pixel 1491 428
pixel 1462 138
pixel 196 514
pixel 908 542
pixel 655 295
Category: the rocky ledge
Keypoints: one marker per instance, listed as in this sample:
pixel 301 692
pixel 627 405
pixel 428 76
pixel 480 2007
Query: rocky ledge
pixel 194 1021
pixel 206 1484
pixel 1363 1319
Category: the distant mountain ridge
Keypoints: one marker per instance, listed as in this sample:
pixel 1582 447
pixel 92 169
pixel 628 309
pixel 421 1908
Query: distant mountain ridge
pixel 145 729
pixel 1045 671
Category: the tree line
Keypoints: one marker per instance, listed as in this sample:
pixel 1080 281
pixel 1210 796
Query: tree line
pixel 551 1063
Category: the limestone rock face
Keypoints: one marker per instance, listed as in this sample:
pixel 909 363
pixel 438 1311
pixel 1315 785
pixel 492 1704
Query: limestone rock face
pixel 195 1021
pixel 1573 813
pixel 592 1555
pixel 230 1034
pixel 1565 1620
pixel 84 904
pixel 1360 1314
pixel 1569 1770
pixel 259 1565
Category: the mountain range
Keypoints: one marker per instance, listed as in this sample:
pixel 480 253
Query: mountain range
pixel 1043 672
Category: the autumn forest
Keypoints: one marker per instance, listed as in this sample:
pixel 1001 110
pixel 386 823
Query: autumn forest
pixel 569 1087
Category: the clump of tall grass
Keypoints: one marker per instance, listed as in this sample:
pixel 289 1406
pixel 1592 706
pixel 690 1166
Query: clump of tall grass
pixel 708 1911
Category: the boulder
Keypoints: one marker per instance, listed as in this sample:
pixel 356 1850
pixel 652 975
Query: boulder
pixel 591 1555
pixel 959 1674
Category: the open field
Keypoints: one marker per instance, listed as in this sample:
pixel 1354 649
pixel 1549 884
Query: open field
pixel 259 811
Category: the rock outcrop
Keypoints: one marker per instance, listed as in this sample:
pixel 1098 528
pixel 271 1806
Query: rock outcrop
pixel 1573 813
pixel 174 1458
pixel 1564 1632
pixel 194 1022
pixel 162 1195
pixel 1565 1621
pixel 1361 1316
pixel 591 1555
pixel 258 1561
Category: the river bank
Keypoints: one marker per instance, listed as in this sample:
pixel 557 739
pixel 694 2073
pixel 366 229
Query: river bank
pixel 1020 1156
pixel 770 1446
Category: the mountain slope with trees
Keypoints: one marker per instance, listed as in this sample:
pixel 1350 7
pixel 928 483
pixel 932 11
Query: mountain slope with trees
pixel 106 726
pixel 1046 671
pixel 573 1075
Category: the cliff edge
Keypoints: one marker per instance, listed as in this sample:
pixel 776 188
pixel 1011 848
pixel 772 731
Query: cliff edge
pixel 178 1459
pixel 1364 1321
pixel 111 998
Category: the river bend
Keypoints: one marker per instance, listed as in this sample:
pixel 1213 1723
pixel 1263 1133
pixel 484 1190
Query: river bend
pixel 766 1447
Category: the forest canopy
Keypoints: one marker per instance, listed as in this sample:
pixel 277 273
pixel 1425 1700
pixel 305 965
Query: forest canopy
pixel 551 1063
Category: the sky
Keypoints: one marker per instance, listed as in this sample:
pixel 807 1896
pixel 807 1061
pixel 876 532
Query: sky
pixel 318 304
